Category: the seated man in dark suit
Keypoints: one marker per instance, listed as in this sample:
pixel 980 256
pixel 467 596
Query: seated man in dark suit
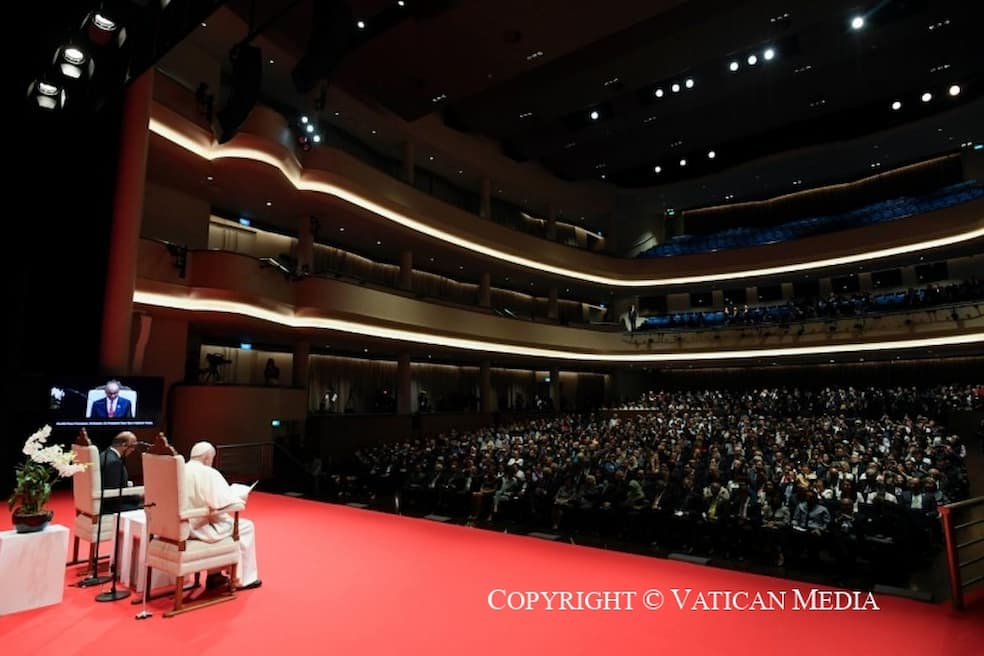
pixel 114 476
pixel 745 522
pixel 112 406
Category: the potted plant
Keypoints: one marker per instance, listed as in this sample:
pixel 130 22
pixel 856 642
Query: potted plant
pixel 44 465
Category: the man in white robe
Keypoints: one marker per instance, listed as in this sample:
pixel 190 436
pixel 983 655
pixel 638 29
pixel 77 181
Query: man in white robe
pixel 205 486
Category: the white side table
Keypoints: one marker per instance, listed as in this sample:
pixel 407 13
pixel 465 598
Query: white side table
pixel 127 542
pixel 133 554
pixel 32 568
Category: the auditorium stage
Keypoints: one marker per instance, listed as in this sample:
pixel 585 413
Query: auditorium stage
pixel 338 580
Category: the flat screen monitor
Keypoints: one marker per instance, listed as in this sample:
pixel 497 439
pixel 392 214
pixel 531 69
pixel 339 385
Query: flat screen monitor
pixel 737 296
pixel 701 299
pixel 932 272
pixel 806 289
pixel 845 284
pixel 768 293
pixel 889 278
pixel 105 401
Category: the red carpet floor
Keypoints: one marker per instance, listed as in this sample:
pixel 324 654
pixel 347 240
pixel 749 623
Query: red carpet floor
pixel 344 581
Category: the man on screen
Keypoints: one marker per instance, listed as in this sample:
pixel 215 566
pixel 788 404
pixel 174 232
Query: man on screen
pixel 112 406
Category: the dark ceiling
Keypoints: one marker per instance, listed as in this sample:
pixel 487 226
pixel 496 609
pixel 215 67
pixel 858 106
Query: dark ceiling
pixel 529 74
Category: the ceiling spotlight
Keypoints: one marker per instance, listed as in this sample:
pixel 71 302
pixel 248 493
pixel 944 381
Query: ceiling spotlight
pixel 752 60
pixel 360 24
pixel 594 115
pixel 896 106
pixel 73 55
pixel 73 62
pixel 317 138
pixel 304 119
pixel 769 54
pixel 269 203
pixel 658 169
pixel 47 95
pixel 310 128
pixel 101 30
pixel 683 162
pixel 857 22
pixel 659 93
pixel 401 3
pixel 733 66
pixel 675 88
pixel 711 154
pixel 926 97
pixel 103 23
pixel 689 83
pixel 955 90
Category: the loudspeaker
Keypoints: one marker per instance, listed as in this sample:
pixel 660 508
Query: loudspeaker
pixel 918 595
pixel 687 558
pixel 331 32
pixel 247 74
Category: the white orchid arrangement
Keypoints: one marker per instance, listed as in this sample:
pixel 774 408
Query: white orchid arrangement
pixel 63 461
pixel 35 476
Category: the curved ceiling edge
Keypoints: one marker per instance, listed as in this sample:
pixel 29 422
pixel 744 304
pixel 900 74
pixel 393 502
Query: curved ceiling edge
pixel 294 173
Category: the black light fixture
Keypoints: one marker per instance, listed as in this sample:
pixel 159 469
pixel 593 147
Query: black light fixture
pixel 247 75
pixel 103 27
pixel 332 26
pixel 46 95
pixel 73 61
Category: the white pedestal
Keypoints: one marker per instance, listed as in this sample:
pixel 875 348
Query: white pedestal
pixel 32 568
pixel 133 554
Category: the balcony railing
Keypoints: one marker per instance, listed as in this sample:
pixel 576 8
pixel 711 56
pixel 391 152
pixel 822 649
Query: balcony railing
pixel 963 531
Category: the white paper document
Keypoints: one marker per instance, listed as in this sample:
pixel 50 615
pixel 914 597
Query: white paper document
pixel 242 491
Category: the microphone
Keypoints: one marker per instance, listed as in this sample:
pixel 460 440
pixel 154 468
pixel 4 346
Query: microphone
pixel 144 445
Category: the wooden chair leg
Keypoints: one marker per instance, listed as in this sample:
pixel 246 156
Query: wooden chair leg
pixel 75 554
pixel 196 603
pixel 178 597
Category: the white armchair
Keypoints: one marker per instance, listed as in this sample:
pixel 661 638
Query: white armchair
pixel 88 495
pixel 170 548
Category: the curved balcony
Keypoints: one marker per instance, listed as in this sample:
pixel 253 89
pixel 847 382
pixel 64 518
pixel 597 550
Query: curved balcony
pixel 329 182
pixel 229 287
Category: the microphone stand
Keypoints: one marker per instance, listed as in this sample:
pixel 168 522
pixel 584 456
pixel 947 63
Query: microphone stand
pixel 113 594
pixel 94 578
pixel 145 614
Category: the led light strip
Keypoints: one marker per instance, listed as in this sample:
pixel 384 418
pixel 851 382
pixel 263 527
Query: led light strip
pixel 200 304
pixel 214 151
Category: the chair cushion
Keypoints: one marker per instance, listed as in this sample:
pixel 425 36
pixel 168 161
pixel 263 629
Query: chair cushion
pixel 86 527
pixel 196 557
